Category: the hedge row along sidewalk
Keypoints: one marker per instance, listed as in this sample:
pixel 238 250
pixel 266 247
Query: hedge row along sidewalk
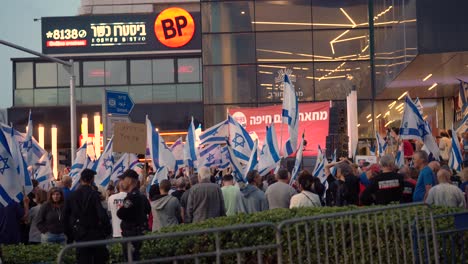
pixel 47 253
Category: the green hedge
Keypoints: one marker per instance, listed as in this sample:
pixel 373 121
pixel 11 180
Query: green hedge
pixel 46 253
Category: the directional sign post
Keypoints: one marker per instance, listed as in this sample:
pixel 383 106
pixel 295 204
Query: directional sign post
pixel 118 103
pixel 116 107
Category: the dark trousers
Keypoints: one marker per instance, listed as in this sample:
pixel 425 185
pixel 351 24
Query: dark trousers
pixel 92 255
pixel 136 245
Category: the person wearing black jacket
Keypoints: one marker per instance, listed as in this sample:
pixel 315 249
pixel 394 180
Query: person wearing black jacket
pixel 386 187
pixel 87 220
pixel 345 189
pixel 134 212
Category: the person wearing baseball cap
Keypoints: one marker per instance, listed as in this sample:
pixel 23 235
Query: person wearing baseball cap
pixel 134 212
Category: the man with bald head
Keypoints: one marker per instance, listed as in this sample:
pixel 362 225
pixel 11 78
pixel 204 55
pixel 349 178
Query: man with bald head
pixel 426 178
pixel 445 193
pixel 205 199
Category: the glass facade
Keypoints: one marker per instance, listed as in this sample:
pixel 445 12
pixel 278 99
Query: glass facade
pixel 147 80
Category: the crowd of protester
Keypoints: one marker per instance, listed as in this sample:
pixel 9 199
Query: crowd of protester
pixel 129 207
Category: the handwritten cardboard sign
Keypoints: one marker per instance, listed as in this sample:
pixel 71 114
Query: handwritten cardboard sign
pixel 130 137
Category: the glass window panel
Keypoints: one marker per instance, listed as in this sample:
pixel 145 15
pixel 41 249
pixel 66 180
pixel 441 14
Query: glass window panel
pixel 64 77
pixel 141 93
pixel 229 48
pixel 331 82
pixel 93 72
pixel 119 88
pixel 189 70
pixel 91 96
pixel 64 96
pixel 24 98
pixel 366 128
pixel 229 84
pixel 140 72
pixel 269 81
pixel 216 113
pixel 164 93
pixel 189 92
pixel 341 14
pixel 46 74
pixel 272 47
pixel 45 97
pixel 283 15
pixel 341 44
pixel 163 71
pixel 227 17
pixel 116 72
pixel 24 75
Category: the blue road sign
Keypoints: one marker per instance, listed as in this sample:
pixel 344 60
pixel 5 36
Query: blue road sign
pixel 118 103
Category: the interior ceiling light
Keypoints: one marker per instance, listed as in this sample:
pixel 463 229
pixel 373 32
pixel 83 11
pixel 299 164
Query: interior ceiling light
pixel 369 115
pixel 349 18
pixel 370 120
pixel 402 95
pixel 427 77
pixel 432 86
pixel 400 106
pixel 378 115
pixel 392 105
pixel 387 114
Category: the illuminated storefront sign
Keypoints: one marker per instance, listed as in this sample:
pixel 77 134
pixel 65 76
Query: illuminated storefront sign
pixel 172 29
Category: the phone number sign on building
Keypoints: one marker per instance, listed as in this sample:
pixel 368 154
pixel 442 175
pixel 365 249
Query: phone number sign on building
pixel 122 33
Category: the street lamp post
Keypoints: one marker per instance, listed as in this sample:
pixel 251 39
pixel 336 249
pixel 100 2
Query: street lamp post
pixel 70 69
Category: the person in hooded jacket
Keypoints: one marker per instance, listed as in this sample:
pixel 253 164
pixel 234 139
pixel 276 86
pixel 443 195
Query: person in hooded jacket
pixel 165 209
pixel 251 199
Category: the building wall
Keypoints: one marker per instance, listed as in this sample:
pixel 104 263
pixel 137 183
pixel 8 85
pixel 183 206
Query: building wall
pixel 93 7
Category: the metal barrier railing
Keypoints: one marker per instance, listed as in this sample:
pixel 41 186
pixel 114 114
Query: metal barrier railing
pixel 392 234
pixel 201 237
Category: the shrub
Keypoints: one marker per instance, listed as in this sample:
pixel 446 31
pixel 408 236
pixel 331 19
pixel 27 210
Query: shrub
pixel 189 244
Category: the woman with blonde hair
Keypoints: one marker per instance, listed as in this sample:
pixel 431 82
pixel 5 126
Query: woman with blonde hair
pixel 50 216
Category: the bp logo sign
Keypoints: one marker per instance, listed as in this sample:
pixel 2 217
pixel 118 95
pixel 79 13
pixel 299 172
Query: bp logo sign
pixel 174 27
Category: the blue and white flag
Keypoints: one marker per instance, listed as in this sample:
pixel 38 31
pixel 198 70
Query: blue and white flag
pixel 21 166
pixel 104 165
pixel 11 184
pixel 217 134
pixel 127 161
pixel 237 168
pixel 319 170
pixel 455 160
pixel 252 164
pixel 91 153
pixel 333 169
pixel 414 127
pixel 160 153
pixel 419 105
pixel 290 113
pixel 43 173
pixel 79 164
pixel 298 163
pixel 463 126
pixel 177 150
pixel 26 146
pixel 269 156
pixel 240 140
pixel 400 157
pixel 160 175
pixel 463 96
pixel 210 156
pixel 225 158
pixel 190 147
pixel 381 143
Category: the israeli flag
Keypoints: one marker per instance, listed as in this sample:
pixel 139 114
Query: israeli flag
pixel 456 160
pixel 91 153
pixel 104 165
pixel 240 140
pixel 253 160
pixel 290 113
pixel 79 164
pixel 269 155
pixel 237 169
pixel 463 125
pixel 11 184
pixel 418 104
pixel 210 156
pixel 381 143
pixel 333 169
pixel 126 161
pixel 44 174
pixel 191 147
pixel 160 153
pixel 225 158
pixel 298 163
pixel 217 134
pixel 400 157
pixel 414 127
pixel 177 150
pixel 319 170
pixel 21 166
pixel 160 175
pixel 462 96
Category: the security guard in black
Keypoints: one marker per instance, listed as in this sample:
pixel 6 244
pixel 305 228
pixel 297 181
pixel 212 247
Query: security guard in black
pixel 134 212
